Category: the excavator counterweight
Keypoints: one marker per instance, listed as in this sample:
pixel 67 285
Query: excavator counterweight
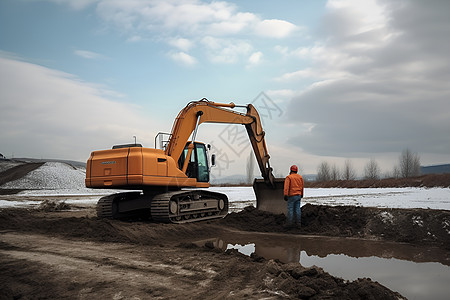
pixel 161 174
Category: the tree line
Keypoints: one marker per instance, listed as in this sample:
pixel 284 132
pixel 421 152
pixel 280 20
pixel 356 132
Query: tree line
pixel 408 166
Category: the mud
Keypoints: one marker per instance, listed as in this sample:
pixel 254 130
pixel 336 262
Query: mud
pixel 73 254
pixel 415 226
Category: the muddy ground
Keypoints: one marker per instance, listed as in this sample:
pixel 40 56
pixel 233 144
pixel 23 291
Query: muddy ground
pixel 53 253
pixel 415 226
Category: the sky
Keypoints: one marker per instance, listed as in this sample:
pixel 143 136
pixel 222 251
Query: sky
pixel 332 80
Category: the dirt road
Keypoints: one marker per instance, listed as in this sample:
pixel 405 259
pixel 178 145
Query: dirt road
pixel 73 254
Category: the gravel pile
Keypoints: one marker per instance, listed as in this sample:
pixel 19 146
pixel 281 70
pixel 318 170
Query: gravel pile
pixel 50 176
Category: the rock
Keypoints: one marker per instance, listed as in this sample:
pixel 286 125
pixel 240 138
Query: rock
pixel 273 268
pixel 305 292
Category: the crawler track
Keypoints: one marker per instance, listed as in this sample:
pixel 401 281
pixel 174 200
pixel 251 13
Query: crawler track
pixel 172 207
pixel 188 206
pixel 105 207
pixel 109 206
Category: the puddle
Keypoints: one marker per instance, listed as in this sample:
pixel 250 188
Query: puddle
pixel 414 271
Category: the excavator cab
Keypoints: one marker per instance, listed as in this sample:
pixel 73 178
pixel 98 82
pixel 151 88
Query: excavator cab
pixel 198 166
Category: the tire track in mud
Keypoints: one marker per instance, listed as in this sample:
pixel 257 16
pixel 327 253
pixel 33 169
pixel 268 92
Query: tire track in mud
pixel 104 269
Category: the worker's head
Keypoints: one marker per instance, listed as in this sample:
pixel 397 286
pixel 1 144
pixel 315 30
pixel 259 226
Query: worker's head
pixel 294 169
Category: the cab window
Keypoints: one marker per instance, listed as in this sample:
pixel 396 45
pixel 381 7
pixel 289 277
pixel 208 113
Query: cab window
pixel 198 163
pixel 202 160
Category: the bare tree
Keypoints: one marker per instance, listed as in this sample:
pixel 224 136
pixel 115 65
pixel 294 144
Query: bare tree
pixel 409 164
pixel 323 172
pixel 396 172
pixel 371 170
pixel 335 174
pixel 250 168
pixel 349 172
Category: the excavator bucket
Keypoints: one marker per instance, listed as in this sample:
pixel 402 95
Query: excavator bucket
pixel 269 198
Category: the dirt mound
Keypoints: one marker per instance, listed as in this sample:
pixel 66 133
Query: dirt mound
pixel 418 226
pixel 79 225
pixel 314 283
pixel 49 205
pixel 430 180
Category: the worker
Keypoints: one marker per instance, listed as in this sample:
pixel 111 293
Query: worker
pixel 293 193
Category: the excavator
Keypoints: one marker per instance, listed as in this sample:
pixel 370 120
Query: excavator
pixel 168 179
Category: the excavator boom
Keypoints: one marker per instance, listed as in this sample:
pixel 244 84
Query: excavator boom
pixel 204 111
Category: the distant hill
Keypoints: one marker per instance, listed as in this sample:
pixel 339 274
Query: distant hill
pixel 437 169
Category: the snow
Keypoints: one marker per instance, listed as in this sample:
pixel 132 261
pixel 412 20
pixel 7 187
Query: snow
pixel 5 165
pixel 7 203
pixel 67 192
pixel 51 175
pixel 60 179
pixel 387 217
pixel 240 197
pixel 446 226
pixel 434 198
pixel 54 179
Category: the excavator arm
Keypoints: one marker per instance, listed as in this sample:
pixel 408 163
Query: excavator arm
pixel 204 111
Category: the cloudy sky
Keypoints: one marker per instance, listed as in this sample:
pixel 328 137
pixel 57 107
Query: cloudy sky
pixel 333 80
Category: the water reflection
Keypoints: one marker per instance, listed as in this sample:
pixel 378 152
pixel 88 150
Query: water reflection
pixel 416 272
pixel 411 279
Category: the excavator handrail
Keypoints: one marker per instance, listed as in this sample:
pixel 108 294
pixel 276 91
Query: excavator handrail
pixel 205 111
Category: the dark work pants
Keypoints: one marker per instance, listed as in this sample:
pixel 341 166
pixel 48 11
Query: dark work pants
pixel 293 210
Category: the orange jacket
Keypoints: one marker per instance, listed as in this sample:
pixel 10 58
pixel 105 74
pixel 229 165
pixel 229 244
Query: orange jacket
pixel 293 185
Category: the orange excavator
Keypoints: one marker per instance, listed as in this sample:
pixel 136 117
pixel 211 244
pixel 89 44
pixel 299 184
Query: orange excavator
pixel 162 175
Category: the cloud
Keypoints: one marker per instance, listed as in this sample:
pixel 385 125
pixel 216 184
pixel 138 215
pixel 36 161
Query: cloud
pixel 184 23
pixel 51 114
pixel 190 18
pixel 221 50
pixel 181 43
pixel 380 76
pixel 255 58
pixel 183 58
pixel 274 28
pixel 134 39
pixel 282 95
pixel 89 54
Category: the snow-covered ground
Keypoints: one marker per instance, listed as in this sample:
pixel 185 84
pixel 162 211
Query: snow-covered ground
pixel 434 198
pixel 5 165
pixel 51 175
pixel 240 197
pixel 55 179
